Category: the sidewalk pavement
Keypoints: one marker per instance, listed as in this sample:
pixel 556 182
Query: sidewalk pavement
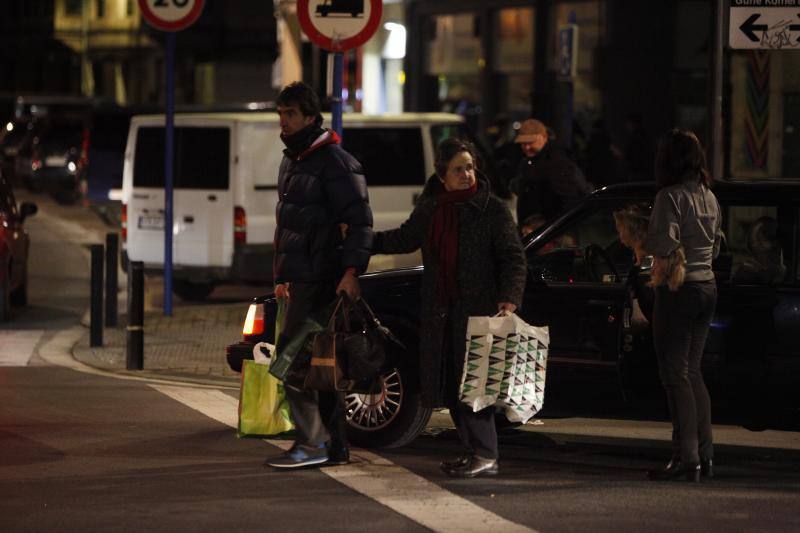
pixel 188 345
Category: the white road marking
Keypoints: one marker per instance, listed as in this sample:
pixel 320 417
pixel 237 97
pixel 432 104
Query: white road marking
pixel 16 347
pixel 371 475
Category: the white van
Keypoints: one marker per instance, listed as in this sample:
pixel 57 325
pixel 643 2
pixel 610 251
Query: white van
pixel 226 180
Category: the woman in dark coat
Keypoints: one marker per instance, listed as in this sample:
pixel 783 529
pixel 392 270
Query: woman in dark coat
pixel 474 266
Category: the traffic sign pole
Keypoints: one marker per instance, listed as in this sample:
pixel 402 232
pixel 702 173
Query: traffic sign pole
pixel 169 181
pixel 169 16
pixel 336 100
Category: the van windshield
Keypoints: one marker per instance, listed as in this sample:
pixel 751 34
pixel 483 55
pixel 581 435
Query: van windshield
pixel 390 156
pixel 201 158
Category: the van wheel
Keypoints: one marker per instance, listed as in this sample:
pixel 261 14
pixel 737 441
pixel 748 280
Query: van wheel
pixel 191 291
pixel 389 419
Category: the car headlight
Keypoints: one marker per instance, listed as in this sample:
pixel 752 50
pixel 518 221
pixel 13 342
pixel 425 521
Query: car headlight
pixel 254 322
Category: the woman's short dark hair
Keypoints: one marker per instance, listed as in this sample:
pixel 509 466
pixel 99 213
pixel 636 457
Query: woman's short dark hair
pixel 680 158
pixel 448 149
pixel 301 95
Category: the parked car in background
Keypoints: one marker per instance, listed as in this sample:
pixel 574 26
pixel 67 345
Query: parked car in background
pixel 14 246
pixel 56 156
pixel 579 285
pixel 16 138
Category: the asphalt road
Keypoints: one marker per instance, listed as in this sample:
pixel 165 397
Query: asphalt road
pixel 90 452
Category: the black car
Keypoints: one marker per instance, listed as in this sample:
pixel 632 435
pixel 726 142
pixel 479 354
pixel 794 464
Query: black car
pixel 579 285
pixel 14 245
pixel 56 157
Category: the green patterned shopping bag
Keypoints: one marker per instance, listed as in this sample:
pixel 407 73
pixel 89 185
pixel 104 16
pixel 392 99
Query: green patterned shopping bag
pixel 505 365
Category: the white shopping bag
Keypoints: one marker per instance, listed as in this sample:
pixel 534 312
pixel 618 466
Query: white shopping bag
pixel 505 366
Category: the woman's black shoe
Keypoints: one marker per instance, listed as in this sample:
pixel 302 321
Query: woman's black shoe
pixel 458 462
pixel 707 468
pixel 676 470
pixel 476 466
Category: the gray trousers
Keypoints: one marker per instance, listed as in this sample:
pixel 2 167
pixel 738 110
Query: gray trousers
pixel 681 320
pixel 319 416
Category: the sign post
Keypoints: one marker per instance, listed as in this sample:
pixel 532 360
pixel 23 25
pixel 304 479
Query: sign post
pixel 169 16
pixel 336 26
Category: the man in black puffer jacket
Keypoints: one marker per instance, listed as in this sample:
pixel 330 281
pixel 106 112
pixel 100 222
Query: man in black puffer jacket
pixel 322 243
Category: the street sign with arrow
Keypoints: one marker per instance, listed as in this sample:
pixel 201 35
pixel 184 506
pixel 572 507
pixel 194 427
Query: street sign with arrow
pixel 765 24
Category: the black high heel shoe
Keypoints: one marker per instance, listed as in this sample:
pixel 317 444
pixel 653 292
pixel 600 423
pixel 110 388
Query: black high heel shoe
pixel 676 470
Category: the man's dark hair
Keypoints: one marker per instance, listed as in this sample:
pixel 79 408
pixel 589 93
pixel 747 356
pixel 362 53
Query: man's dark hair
pixel 303 96
pixel 448 149
pixel 680 158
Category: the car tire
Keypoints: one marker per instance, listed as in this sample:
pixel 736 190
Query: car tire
pixel 390 419
pixel 5 297
pixel 19 296
pixel 192 291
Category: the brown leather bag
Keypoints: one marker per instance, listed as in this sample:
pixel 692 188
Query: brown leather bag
pixel 326 370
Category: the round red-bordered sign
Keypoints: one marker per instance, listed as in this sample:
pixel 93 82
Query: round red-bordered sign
pixel 171 15
pixel 330 16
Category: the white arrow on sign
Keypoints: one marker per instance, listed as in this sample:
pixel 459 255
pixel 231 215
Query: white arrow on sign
pixel 773 28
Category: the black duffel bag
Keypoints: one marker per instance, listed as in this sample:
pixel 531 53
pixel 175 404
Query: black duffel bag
pixel 366 343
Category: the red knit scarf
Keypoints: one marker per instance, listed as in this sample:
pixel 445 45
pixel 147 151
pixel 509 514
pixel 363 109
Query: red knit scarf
pixel 443 239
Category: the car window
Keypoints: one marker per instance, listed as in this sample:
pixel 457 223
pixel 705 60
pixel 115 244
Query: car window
pixel 390 156
pixel 585 250
pixel 754 242
pixel 201 158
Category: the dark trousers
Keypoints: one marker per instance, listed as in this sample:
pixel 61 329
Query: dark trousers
pixel 681 320
pixel 319 416
pixel 477 431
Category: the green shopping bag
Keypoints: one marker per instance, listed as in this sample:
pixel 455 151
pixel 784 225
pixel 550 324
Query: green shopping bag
pixel 263 410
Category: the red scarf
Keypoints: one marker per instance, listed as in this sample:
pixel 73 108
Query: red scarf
pixel 443 239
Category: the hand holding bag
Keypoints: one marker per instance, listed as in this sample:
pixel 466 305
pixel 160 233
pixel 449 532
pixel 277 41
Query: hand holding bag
pixel 505 366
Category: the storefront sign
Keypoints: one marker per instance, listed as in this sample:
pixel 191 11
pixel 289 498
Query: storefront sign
pixel 765 24
pixel 567 52
pixel 338 25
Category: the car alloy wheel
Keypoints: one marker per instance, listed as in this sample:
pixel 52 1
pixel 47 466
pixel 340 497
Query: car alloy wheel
pixel 373 412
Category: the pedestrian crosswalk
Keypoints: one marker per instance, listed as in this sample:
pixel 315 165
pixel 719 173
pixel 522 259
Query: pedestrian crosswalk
pixel 16 347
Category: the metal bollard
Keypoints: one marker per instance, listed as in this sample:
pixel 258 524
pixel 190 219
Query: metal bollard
pixel 135 336
pixel 112 253
pixel 96 310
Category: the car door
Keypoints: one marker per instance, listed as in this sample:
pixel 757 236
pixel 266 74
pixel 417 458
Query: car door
pixel 12 232
pixel 577 272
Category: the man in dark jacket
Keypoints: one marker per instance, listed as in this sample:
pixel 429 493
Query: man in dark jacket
pixel 322 243
pixel 547 183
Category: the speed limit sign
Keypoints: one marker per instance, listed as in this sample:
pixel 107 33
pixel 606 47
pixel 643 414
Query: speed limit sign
pixel 171 15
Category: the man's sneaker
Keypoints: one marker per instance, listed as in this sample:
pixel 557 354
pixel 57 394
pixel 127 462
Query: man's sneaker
pixel 338 456
pixel 298 456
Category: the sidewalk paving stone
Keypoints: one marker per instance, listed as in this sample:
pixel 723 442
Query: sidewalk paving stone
pixel 191 342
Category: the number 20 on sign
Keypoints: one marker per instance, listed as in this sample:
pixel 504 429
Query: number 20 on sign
pixel 171 15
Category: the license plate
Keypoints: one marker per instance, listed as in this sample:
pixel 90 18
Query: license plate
pixel 151 222
pixel 55 161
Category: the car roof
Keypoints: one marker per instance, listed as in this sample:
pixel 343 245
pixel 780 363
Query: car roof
pixel 347 118
pixel 787 189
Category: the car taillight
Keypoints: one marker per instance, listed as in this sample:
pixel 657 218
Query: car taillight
pixel 254 323
pixel 36 164
pixel 124 222
pixel 239 225
pixel 85 143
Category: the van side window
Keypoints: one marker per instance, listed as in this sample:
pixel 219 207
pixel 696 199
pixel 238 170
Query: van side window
pixel 754 240
pixel 201 158
pixel 390 156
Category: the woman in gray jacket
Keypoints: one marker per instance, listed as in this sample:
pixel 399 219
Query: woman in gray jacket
pixel 686 213
pixel 474 266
